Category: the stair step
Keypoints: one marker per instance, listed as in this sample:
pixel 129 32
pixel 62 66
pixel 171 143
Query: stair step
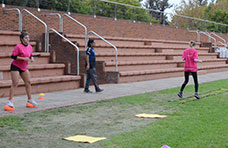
pixel 8 46
pixel 9 36
pixel 36 70
pixel 143 75
pixel 5 58
pixel 44 84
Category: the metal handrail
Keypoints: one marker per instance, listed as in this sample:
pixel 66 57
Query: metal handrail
pixel 60 20
pixel 116 50
pixel 19 15
pixel 80 25
pixel 212 33
pixel 188 17
pixel 203 20
pixel 111 2
pixel 51 29
pixel 209 37
pixel 224 44
pixel 45 25
pixel 198 34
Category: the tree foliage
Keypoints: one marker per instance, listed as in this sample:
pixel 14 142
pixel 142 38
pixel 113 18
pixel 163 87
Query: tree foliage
pixel 160 5
pixel 94 7
pixel 209 10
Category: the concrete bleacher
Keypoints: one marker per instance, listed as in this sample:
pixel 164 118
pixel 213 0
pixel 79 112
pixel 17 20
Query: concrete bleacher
pixel 147 59
pixel 139 58
pixel 45 76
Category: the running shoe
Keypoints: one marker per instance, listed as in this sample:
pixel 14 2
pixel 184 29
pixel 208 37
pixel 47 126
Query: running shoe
pixel 31 103
pixel 197 96
pixel 10 103
pixel 180 94
pixel 88 91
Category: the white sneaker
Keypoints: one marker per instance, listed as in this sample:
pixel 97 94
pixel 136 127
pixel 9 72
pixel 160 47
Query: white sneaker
pixel 10 103
pixel 32 102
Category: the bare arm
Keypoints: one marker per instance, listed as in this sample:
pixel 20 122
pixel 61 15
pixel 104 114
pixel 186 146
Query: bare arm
pixel 87 61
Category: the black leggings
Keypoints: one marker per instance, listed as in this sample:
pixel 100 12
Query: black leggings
pixel 186 75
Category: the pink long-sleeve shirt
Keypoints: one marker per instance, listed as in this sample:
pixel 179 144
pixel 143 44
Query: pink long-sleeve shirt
pixel 190 56
pixel 22 51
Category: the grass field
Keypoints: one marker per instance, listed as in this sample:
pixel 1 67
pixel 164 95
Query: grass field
pixel 191 123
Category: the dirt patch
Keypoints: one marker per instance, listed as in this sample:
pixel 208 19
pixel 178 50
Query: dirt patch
pixel 45 129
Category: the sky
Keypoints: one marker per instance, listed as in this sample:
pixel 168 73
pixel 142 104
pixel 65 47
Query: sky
pixel 172 2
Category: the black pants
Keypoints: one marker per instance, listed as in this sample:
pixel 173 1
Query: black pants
pixel 186 75
pixel 92 75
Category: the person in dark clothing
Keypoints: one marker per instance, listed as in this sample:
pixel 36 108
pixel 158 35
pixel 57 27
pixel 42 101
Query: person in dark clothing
pixel 90 68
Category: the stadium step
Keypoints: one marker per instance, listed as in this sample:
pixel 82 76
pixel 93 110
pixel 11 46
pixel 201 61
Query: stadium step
pixel 119 41
pixel 8 46
pixel 40 58
pixel 156 64
pixel 110 57
pixel 36 70
pixel 6 36
pixel 43 85
pixel 45 77
pixel 143 75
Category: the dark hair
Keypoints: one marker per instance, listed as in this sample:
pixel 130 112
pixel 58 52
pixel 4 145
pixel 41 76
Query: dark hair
pixel 90 42
pixel 192 43
pixel 23 34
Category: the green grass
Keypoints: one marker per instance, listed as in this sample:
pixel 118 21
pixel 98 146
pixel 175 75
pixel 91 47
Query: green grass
pixel 12 122
pixel 191 124
pixel 197 124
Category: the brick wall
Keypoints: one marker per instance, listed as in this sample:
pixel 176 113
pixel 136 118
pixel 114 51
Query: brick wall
pixel 102 25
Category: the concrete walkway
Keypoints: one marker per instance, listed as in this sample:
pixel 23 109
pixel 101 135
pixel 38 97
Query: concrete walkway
pixel 72 97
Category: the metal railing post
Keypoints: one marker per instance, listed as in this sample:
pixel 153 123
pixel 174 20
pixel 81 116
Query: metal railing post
pixel 115 17
pixel 208 35
pixel 150 18
pixel 95 9
pixel 3 4
pixel 212 33
pixel 77 60
pixel 134 20
pixel 176 23
pixel 68 8
pixel 116 50
pixel 163 18
pixel 38 5
pixel 45 26
pixel 19 15
pixel 60 20
pixel 86 37
pixel 198 34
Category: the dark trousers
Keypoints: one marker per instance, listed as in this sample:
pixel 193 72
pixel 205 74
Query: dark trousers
pixel 91 75
pixel 186 75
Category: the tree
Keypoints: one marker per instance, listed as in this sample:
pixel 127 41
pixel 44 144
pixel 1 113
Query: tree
pixel 91 6
pixel 213 11
pixel 160 5
pixel 191 8
pixel 120 11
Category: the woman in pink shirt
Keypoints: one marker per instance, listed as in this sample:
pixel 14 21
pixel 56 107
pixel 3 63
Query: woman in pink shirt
pixel 21 55
pixel 190 56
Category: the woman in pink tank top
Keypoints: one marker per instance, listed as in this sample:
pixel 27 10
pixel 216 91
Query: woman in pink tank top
pixel 21 55
pixel 190 56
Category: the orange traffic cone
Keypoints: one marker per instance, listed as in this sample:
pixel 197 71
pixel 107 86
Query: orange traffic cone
pixel 8 108
pixel 30 105
pixel 41 96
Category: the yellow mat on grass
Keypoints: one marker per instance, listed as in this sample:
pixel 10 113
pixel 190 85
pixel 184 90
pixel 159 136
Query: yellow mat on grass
pixel 84 139
pixel 151 116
